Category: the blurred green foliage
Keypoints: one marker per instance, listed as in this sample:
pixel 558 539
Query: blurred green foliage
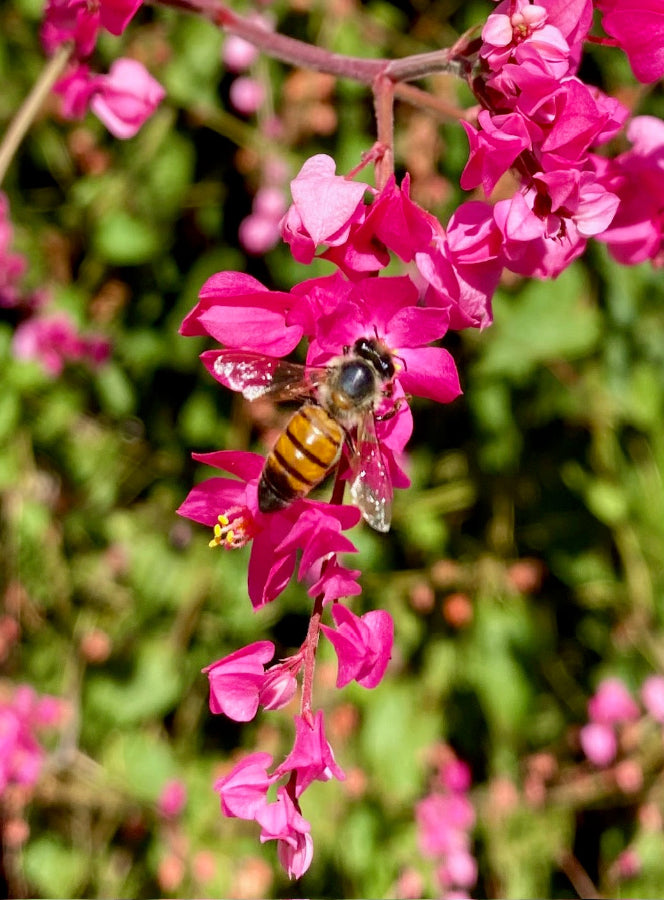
pixel 524 564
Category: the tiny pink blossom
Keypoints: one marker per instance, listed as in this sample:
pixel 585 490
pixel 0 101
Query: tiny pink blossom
pixel 652 695
pixel 311 758
pixel 238 54
pixel 243 791
pixel 612 703
pixel 172 799
pixel 258 234
pixel 363 645
pixel 279 684
pixel 236 681
pixel 599 743
pixel 282 821
pixel 459 869
pixel 246 94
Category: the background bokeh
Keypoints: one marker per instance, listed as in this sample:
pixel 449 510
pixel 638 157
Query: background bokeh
pixel 523 567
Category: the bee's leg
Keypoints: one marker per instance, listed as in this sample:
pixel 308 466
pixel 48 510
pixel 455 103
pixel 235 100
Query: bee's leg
pixel 395 408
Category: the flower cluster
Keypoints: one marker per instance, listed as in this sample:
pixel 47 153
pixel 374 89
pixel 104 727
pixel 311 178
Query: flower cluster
pixel 445 818
pixel 47 336
pixel 242 681
pixel 24 714
pixel 539 119
pixel 610 710
pixel 372 341
pixel 124 97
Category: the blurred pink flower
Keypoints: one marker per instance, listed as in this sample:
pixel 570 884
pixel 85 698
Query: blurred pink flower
pixel 599 743
pixel 172 799
pixel 612 703
pixel 246 94
pixel 652 695
pixel 53 340
pixel 126 97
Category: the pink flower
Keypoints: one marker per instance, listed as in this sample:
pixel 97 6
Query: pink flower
pixel 52 340
pixel 76 88
pixel 311 758
pixel 238 311
pixel 652 695
pixel 387 308
pixel 325 205
pixel 126 97
pixel 459 869
pixel 230 506
pixel 639 31
pixel 21 716
pixel 363 645
pixel 172 798
pixel 637 178
pixel 599 743
pixel 246 95
pixel 282 821
pixel 612 703
pixel 238 54
pixel 79 21
pixel 493 149
pixel 243 791
pixel 237 679
pixel 443 822
pixel 516 23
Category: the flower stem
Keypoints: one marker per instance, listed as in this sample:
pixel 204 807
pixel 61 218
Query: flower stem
pixel 311 641
pixel 299 53
pixel 31 106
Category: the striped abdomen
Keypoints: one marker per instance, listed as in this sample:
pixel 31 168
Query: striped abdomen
pixel 303 455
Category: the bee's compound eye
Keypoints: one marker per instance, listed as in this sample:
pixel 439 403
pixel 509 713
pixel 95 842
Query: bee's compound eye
pixel 357 380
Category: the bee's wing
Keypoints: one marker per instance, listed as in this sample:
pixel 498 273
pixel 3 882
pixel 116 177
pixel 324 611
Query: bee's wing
pixel 371 485
pixel 255 375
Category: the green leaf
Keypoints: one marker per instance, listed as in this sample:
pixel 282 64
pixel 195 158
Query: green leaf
pixel 124 240
pixel 55 869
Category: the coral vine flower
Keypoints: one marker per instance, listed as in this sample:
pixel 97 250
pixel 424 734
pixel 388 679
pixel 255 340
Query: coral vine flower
pixel 325 205
pixel 243 792
pixel 230 506
pixel 639 31
pixel 363 645
pixel 123 99
pixel 612 703
pixel 236 681
pixel 387 308
pixel 80 20
pixel 126 97
pixel 238 311
pixel 311 758
pixel 282 821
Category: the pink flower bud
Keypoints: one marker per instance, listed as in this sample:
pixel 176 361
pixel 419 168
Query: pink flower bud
pixel 246 95
pixel 599 743
pixel 652 695
pixel 172 799
pixel 238 54
pixel 612 703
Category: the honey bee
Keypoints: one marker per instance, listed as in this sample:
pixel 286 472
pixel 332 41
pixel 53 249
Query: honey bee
pixel 339 409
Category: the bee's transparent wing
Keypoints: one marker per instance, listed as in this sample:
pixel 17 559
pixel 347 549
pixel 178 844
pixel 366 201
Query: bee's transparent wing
pixel 255 375
pixel 371 485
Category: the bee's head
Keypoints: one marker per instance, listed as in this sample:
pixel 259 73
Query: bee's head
pixel 376 353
